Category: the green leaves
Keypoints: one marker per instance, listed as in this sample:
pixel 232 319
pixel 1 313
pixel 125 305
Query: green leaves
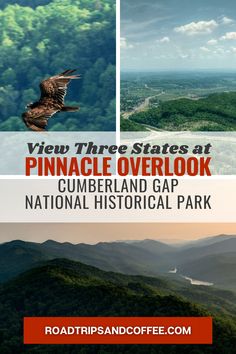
pixel 37 42
pixel 214 113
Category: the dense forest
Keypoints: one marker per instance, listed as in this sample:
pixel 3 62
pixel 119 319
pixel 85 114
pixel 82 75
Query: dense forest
pixel 217 112
pixel 42 38
pixel 33 4
pixel 127 125
pixel 65 288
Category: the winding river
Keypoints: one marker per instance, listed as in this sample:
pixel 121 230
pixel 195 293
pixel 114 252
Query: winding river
pixel 191 280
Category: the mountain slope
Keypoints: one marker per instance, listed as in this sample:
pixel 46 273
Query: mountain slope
pixel 214 113
pixel 147 257
pixel 218 247
pixel 207 241
pixel 66 288
pixel 18 256
pixel 154 246
pixel 219 269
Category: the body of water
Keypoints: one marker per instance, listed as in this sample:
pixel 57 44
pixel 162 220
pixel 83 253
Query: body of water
pixel 197 282
pixel 192 281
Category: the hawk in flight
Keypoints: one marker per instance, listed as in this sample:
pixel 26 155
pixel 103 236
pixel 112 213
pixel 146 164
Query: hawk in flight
pixel 53 91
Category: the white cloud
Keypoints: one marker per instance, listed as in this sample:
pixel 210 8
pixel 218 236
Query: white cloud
pixel 233 49
pixel 194 28
pixel 164 40
pixel 220 50
pixel 212 42
pixel 124 44
pixel 228 36
pixel 205 49
pixel 183 56
pixel 226 20
pixel 203 27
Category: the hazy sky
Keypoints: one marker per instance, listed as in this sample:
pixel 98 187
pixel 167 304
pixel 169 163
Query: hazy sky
pixel 178 34
pixel 93 233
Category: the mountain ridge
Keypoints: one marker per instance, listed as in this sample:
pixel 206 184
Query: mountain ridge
pixel 67 288
pixel 145 257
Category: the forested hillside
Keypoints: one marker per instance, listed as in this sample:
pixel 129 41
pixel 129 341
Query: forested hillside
pixel 33 4
pixel 127 125
pixel 214 262
pixel 40 41
pixel 65 288
pixel 217 112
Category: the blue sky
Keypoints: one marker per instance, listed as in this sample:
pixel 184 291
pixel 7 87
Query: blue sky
pixel 178 35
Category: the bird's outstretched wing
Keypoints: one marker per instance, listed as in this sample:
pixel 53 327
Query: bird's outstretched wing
pixel 37 118
pixel 53 91
pixel 55 87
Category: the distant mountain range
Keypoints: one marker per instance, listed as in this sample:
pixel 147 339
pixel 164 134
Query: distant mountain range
pixel 211 259
pixel 66 288
pixel 208 240
pixel 146 257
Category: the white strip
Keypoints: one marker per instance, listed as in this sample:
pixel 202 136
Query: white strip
pixel 206 178
pixel 223 196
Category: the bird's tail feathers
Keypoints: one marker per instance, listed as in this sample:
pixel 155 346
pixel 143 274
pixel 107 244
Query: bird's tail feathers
pixel 69 109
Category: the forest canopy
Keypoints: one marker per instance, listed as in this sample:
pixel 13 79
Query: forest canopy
pixel 216 112
pixel 41 38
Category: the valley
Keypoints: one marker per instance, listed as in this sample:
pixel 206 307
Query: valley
pixel 66 288
pixel 177 101
pixel 211 260
pixel 133 278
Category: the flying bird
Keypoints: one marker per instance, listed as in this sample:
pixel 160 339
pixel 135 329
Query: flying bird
pixel 53 91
